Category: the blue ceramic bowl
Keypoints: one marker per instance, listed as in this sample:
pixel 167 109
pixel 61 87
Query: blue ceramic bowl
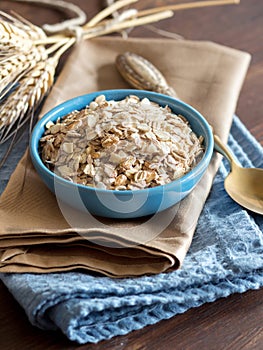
pixel 122 204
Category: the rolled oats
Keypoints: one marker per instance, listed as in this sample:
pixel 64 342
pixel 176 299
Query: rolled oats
pixel 130 144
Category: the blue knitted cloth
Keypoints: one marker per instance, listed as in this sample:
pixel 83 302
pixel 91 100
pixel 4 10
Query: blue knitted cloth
pixel 226 257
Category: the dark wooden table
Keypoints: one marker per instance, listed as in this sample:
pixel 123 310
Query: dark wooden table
pixel 232 323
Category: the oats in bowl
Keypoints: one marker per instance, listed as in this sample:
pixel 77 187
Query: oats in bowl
pixel 121 156
pixel 129 144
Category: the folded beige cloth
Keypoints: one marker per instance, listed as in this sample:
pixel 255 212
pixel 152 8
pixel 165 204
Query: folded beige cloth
pixel 35 237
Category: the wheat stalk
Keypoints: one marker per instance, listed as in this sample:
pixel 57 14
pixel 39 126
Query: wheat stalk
pixel 188 6
pixel 26 74
pixel 34 85
pixel 14 66
pixel 18 53
pixel 17 34
pixel 19 26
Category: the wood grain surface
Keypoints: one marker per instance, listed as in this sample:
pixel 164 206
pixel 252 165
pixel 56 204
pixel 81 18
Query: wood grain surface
pixel 231 323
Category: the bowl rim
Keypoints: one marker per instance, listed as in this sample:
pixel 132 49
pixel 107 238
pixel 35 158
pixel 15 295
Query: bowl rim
pixel 78 100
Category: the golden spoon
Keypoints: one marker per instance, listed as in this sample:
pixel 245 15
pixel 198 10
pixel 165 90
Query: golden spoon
pixel 243 185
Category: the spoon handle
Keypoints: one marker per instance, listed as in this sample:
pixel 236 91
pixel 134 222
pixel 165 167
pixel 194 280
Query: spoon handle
pixel 221 148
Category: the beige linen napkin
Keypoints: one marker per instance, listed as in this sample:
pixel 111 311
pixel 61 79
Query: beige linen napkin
pixel 35 235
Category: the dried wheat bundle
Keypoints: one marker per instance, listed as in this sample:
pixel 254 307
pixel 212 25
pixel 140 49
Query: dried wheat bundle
pixel 28 56
pixel 27 71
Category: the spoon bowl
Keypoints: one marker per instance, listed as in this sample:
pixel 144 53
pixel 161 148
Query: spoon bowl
pixel 243 185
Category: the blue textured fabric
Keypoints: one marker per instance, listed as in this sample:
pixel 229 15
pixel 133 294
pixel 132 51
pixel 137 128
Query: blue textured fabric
pixel 226 257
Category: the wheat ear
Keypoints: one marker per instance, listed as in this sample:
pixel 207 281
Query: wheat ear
pixel 27 96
